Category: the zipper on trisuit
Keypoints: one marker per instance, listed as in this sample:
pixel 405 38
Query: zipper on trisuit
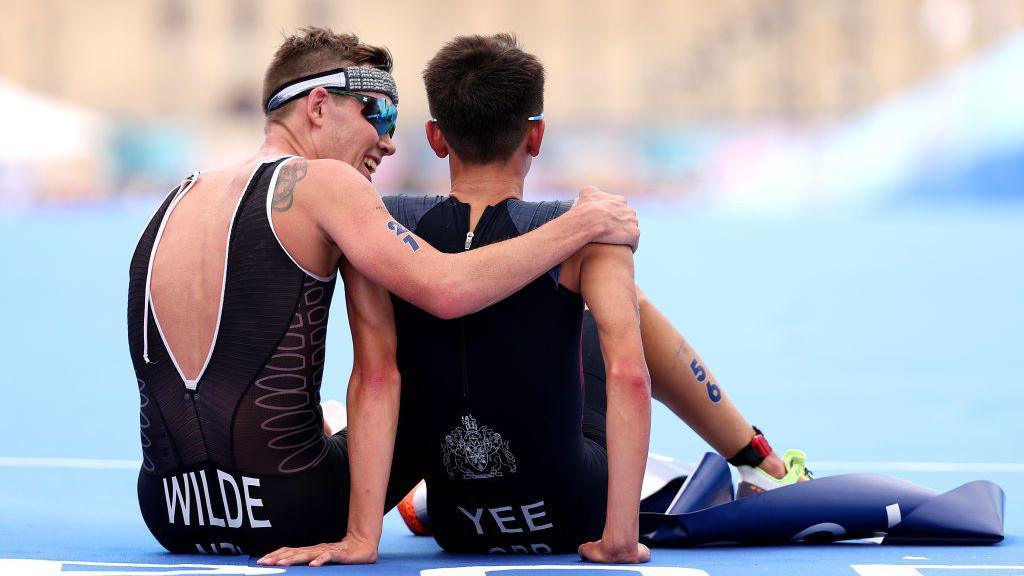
pixel 465 361
pixel 193 397
pixel 462 336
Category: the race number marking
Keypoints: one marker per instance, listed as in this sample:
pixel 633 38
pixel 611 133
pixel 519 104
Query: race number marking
pixel 399 230
pixel 714 392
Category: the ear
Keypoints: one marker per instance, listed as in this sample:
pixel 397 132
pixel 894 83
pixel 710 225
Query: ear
pixel 436 140
pixel 534 137
pixel 315 103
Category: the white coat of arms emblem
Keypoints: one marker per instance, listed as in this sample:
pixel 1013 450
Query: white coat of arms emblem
pixel 473 452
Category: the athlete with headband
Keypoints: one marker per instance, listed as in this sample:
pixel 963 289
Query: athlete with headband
pixel 522 453
pixel 229 291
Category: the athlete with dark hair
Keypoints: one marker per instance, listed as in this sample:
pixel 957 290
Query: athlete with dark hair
pixel 521 452
pixel 229 291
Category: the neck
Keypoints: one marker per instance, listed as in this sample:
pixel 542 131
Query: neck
pixel 486 184
pixel 281 140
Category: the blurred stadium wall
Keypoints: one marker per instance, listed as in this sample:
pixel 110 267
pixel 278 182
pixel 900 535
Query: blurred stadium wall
pixel 741 105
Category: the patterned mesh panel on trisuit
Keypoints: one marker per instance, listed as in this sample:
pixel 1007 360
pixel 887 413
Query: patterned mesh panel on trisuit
pixel 236 461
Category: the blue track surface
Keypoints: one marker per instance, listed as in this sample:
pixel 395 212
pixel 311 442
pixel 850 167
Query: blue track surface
pixel 877 337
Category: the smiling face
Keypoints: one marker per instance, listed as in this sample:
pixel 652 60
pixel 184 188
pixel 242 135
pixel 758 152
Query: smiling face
pixel 331 126
pixel 346 135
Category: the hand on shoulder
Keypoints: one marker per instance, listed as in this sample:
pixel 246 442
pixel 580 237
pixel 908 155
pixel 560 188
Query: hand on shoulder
pixel 614 221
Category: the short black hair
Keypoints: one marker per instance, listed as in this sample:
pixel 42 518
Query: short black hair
pixel 481 90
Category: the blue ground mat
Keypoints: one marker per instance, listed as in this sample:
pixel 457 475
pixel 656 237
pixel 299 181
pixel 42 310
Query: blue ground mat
pixel 880 343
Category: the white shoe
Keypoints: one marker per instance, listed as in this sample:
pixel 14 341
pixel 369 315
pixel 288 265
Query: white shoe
pixel 757 481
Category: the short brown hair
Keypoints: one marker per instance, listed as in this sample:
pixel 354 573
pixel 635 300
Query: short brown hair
pixel 313 50
pixel 481 90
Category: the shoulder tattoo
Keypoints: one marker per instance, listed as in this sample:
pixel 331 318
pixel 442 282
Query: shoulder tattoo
pixel 284 192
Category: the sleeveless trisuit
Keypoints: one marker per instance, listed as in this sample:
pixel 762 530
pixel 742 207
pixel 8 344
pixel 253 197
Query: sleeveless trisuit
pixel 493 404
pixel 236 461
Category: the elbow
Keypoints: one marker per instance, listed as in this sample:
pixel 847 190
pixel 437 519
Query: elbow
pixel 448 307
pixel 377 382
pixel 385 379
pixel 443 307
pixel 447 300
pixel 632 380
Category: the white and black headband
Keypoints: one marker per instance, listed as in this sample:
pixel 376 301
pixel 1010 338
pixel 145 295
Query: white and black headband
pixel 354 79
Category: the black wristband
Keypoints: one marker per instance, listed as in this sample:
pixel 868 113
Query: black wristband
pixel 754 452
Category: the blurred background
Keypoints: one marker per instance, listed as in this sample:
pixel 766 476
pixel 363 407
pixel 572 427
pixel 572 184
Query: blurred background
pixel 749 105
pixel 830 191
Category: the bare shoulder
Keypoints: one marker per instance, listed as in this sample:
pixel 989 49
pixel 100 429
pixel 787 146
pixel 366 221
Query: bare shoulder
pixel 604 255
pixel 572 269
pixel 609 251
pixel 334 175
pixel 313 183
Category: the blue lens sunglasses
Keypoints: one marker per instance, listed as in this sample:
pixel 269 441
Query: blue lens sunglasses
pixel 379 112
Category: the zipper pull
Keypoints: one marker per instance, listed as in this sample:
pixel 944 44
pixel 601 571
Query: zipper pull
pixel 469 239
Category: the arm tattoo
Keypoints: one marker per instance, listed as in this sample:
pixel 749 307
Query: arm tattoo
pixel 284 193
pixel 714 392
pixel 400 231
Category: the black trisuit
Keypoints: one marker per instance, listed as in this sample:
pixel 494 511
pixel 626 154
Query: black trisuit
pixel 493 403
pixel 237 461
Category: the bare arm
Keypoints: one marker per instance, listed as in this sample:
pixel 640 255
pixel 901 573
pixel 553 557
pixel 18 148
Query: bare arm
pixel 374 389
pixel 606 283
pixel 373 396
pixel 352 216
